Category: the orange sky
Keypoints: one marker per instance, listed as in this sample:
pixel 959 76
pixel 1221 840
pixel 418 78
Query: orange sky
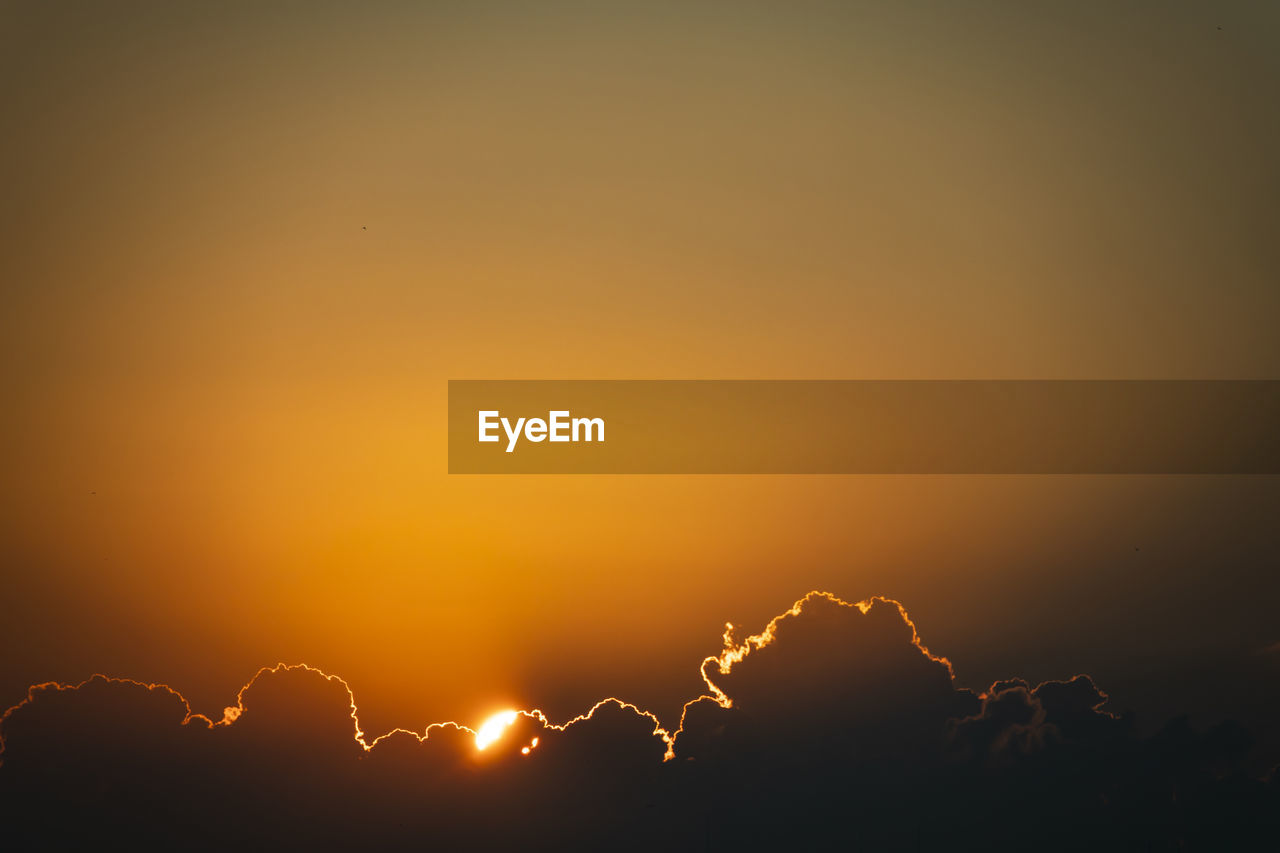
pixel 243 251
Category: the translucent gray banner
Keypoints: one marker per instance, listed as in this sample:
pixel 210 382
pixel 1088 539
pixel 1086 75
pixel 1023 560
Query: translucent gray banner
pixel 863 427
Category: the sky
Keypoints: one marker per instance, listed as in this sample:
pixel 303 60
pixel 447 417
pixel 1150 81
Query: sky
pixel 245 245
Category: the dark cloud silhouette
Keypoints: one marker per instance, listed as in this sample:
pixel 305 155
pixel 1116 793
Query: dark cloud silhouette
pixel 833 727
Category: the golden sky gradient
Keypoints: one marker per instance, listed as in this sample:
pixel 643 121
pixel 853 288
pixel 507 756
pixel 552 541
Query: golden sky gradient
pixel 244 247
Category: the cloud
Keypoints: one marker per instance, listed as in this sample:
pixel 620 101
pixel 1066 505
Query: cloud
pixel 835 675
pixel 832 726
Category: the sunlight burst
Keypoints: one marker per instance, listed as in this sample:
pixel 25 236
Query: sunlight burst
pixel 494 727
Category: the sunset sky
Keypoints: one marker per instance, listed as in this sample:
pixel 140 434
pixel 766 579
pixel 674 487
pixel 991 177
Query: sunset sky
pixel 244 246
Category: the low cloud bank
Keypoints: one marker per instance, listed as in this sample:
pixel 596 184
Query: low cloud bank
pixel 833 727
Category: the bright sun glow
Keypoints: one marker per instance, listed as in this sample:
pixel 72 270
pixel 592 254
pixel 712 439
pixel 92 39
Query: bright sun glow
pixel 494 727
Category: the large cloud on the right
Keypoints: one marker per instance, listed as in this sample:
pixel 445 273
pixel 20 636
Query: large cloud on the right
pixel 843 730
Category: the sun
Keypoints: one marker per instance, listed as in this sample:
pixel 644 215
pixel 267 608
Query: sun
pixel 493 728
